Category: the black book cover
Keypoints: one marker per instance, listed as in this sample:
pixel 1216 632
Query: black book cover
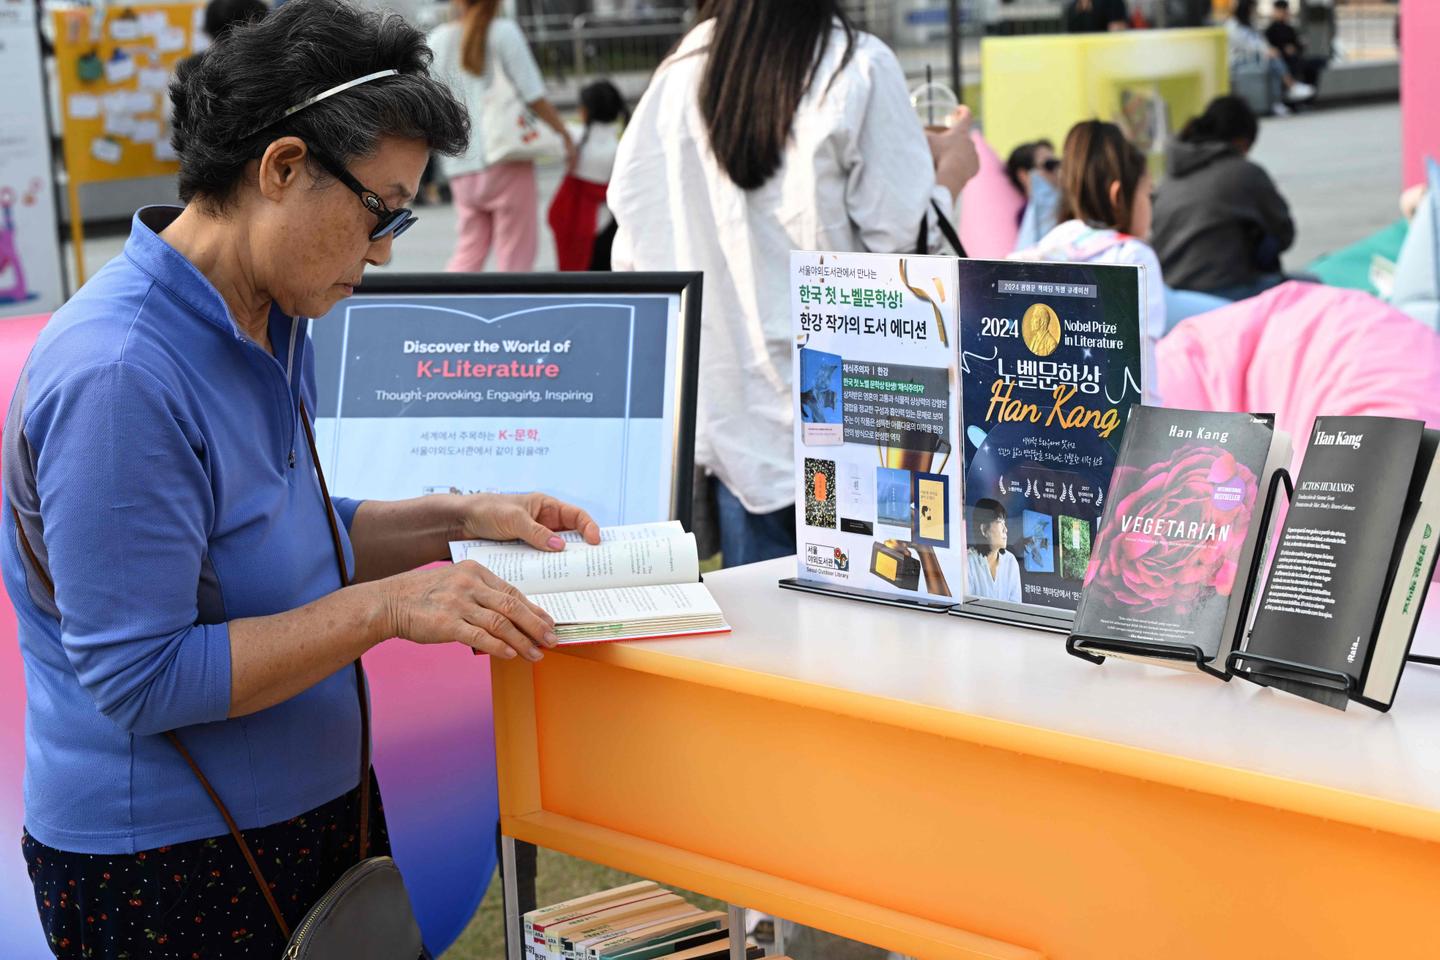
pixel 1174 544
pixel 1333 566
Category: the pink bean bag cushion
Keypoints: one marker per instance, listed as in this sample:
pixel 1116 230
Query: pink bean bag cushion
pixel 1301 350
pixel 990 208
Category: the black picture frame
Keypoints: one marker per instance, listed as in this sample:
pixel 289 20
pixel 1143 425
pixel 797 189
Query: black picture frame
pixel 687 286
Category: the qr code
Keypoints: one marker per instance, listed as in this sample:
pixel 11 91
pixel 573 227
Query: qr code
pixel 820 493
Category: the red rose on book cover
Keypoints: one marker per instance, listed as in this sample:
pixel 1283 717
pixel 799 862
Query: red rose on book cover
pixel 1178 530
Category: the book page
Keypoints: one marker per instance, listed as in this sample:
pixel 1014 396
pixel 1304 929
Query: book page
pixel 662 602
pixel 619 532
pixel 619 563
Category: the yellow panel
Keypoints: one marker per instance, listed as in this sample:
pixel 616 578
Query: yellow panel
pixel 1034 87
pixel 657 774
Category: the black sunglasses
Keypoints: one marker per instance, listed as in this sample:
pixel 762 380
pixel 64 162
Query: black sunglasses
pixel 1051 165
pixel 391 223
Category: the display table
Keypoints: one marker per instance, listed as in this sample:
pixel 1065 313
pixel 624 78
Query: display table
pixel 947 788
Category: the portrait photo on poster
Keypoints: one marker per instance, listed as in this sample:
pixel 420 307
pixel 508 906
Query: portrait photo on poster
pixel 1051 359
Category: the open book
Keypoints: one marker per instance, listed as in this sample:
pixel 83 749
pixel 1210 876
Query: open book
pixel 642 582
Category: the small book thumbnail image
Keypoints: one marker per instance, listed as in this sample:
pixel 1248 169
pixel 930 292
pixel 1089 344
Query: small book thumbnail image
pixel 1074 547
pixel 892 497
pixel 820 493
pixel 820 387
pixel 1038 547
pixel 639 921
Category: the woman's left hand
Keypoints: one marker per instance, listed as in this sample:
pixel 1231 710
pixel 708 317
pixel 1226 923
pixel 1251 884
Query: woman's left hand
pixel 533 517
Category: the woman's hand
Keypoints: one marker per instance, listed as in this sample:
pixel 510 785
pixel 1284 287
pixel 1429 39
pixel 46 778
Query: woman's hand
pixel 956 159
pixel 532 517
pixel 465 603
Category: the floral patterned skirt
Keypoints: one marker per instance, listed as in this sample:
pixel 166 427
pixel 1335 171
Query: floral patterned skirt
pixel 197 899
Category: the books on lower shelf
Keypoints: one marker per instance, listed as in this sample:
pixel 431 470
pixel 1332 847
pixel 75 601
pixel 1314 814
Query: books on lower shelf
pixel 639 921
pixel 1353 565
pixel 642 582
pixel 1169 574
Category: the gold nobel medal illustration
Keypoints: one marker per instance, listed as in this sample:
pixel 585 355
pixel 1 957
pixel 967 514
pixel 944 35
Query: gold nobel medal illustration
pixel 1040 330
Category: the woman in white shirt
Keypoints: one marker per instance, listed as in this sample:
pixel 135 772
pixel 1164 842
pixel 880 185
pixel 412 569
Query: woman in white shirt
pixel 993 572
pixel 774 126
pixel 496 203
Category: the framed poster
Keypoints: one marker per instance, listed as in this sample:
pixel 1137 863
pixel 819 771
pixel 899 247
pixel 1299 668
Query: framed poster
pixel 580 384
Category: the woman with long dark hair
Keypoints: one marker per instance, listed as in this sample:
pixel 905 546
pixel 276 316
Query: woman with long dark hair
pixel 774 126
pixel 495 198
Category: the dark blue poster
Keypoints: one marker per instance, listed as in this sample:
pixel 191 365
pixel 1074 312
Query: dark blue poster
pixel 481 393
pixel 1050 355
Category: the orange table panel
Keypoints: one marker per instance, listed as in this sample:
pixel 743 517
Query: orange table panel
pixel 951 789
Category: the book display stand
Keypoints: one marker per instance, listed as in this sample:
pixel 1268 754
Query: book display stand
pixel 1296 672
pixel 1190 653
pixel 868 596
pixel 1031 618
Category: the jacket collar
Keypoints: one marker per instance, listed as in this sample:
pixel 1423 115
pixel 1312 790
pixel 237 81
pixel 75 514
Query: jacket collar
pixel 168 267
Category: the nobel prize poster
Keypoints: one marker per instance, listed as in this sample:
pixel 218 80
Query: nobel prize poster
pixel 1050 361
pixel 876 423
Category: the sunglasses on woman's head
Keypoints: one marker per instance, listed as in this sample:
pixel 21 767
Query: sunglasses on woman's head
pixel 391 223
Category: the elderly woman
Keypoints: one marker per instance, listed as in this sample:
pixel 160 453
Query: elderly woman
pixel 166 544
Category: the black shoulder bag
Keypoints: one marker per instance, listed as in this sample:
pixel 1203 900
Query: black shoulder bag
pixel 367 914
pixel 947 230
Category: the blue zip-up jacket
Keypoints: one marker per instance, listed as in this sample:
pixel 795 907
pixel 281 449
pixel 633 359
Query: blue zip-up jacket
pixel 154 458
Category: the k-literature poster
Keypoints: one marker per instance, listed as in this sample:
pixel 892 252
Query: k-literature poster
pixel 876 423
pixel 572 394
pixel 1050 360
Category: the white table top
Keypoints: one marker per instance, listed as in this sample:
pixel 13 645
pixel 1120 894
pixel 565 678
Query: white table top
pixel 1025 677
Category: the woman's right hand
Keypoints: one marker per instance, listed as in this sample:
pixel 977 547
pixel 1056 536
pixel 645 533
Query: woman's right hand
pixel 465 603
pixel 956 159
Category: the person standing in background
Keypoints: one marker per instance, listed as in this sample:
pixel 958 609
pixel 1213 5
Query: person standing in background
pixel 575 211
pixel 496 203
pixel 1096 16
pixel 774 126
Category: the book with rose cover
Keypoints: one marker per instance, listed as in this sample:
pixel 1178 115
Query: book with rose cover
pixel 1352 565
pixel 1168 572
